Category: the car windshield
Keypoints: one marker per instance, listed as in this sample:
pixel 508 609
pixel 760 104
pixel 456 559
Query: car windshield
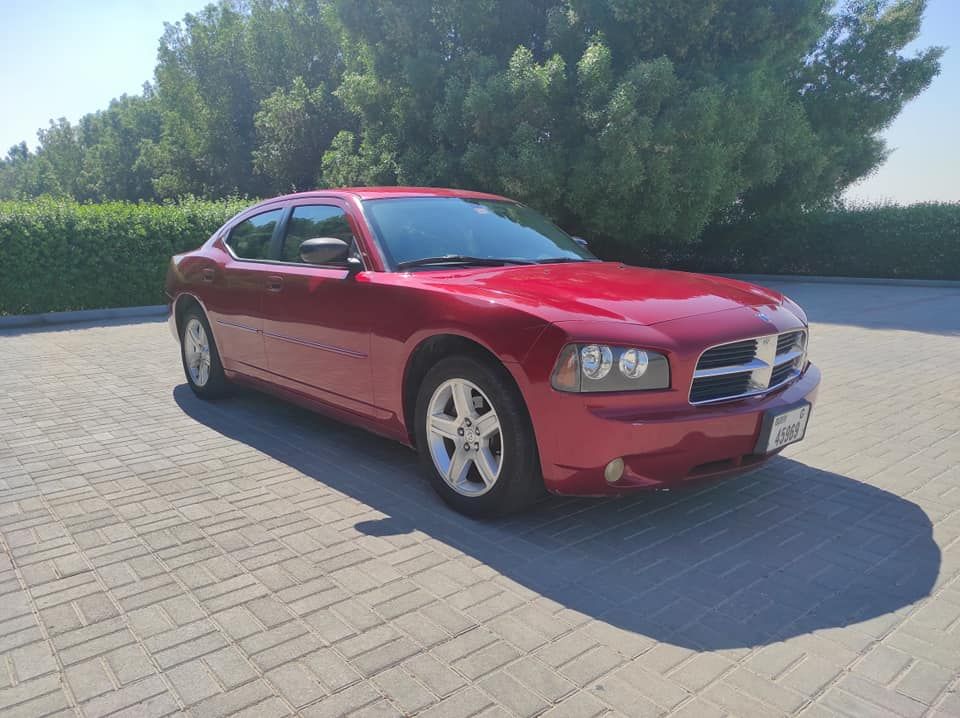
pixel 455 230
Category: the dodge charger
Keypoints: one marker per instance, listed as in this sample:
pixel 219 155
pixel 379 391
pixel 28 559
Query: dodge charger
pixel 471 328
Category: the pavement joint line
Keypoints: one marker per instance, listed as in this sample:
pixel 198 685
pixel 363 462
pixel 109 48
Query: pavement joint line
pixel 159 671
pixel 228 489
pixel 230 639
pixel 64 685
pixel 120 612
pixel 373 608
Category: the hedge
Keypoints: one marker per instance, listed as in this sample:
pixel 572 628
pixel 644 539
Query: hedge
pixel 920 241
pixel 60 255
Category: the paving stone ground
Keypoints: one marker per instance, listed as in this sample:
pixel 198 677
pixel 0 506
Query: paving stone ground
pixel 159 554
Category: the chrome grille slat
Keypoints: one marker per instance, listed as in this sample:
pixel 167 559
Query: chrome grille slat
pixel 750 345
pixel 789 340
pixel 789 356
pixel 739 368
pixel 727 354
pixel 748 367
pixel 781 374
pixel 715 388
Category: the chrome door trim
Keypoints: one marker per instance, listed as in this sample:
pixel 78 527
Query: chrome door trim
pixel 316 345
pixel 238 325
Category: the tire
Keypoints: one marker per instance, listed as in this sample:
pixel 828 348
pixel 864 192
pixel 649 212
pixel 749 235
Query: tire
pixel 507 455
pixel 210 383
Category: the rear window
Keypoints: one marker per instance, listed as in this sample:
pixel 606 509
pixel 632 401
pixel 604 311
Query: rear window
pixel 251 238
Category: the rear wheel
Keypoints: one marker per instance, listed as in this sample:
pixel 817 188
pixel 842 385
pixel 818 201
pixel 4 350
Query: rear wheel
pixel 475 439
pixel 201 360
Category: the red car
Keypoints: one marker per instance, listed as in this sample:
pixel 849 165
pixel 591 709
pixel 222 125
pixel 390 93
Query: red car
pixel 472 328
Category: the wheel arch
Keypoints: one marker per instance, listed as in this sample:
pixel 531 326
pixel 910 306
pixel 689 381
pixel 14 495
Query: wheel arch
pixel 433 349
pixel 180 306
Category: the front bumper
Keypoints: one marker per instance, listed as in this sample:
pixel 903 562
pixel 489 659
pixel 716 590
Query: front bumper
pixel 660 449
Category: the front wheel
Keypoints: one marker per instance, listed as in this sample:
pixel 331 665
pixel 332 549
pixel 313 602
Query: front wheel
pixel 475 439
pixel 201 360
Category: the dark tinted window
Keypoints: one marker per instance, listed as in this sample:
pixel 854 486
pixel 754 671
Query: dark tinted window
pixel 417 227
pixel 312 221
pixel 251 238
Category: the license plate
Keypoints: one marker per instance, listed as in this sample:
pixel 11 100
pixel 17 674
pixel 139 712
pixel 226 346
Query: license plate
pixel 781 428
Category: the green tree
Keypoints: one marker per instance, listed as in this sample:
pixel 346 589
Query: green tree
pixel 112 141
pixel 631 120
pixel 62 157
pixel 294 128
pixel 851 86
pixel 24 174
pixel 207 106
pixel 227 81
pixel 97 159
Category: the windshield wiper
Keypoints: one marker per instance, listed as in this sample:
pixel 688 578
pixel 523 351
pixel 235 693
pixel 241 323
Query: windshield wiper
pixel 461 259
pixel 560 260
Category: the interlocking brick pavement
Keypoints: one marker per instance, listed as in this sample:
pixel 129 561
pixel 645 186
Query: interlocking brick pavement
pixel 159 554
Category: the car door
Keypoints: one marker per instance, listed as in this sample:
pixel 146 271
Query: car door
pixel 317 319
pixel 238 283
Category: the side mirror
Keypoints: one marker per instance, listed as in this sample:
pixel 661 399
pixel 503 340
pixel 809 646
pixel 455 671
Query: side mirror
pixel 581 241
pixel 329 250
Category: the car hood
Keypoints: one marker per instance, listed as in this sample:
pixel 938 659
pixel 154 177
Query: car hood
pixel 602 290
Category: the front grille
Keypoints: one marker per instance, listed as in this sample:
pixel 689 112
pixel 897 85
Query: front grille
pixel 748 367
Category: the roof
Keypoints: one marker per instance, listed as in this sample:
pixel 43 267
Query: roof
pixel 390 192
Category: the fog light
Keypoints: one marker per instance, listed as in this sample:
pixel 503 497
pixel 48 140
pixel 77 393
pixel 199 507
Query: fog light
pixel 613 471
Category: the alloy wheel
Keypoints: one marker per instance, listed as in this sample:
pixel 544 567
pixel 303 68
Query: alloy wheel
pixel 466 443
pixel 196 352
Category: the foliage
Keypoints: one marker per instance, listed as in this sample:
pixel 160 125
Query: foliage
pixel 98 158
pixel 633 122
pixel 921 241
pixel 294 128
pixel 629 120
pixel 220 67
pixel 60 255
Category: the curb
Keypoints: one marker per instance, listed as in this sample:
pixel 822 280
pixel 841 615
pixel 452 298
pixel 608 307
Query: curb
pixel 812 279
pixel 83 315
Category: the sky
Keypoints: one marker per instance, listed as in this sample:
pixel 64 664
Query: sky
pixel 925 137
pixel 63 58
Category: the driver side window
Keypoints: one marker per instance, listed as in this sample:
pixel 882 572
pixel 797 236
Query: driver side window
pixel 312 221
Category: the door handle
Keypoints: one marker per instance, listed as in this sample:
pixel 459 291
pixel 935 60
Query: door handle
pixel 207 274
pixel 274 283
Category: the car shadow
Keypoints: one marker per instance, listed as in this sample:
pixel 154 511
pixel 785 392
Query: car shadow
pixel 744 562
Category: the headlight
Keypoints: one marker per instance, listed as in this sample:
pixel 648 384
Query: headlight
pixel 595 361
pixel 598 367
pixel 633 363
